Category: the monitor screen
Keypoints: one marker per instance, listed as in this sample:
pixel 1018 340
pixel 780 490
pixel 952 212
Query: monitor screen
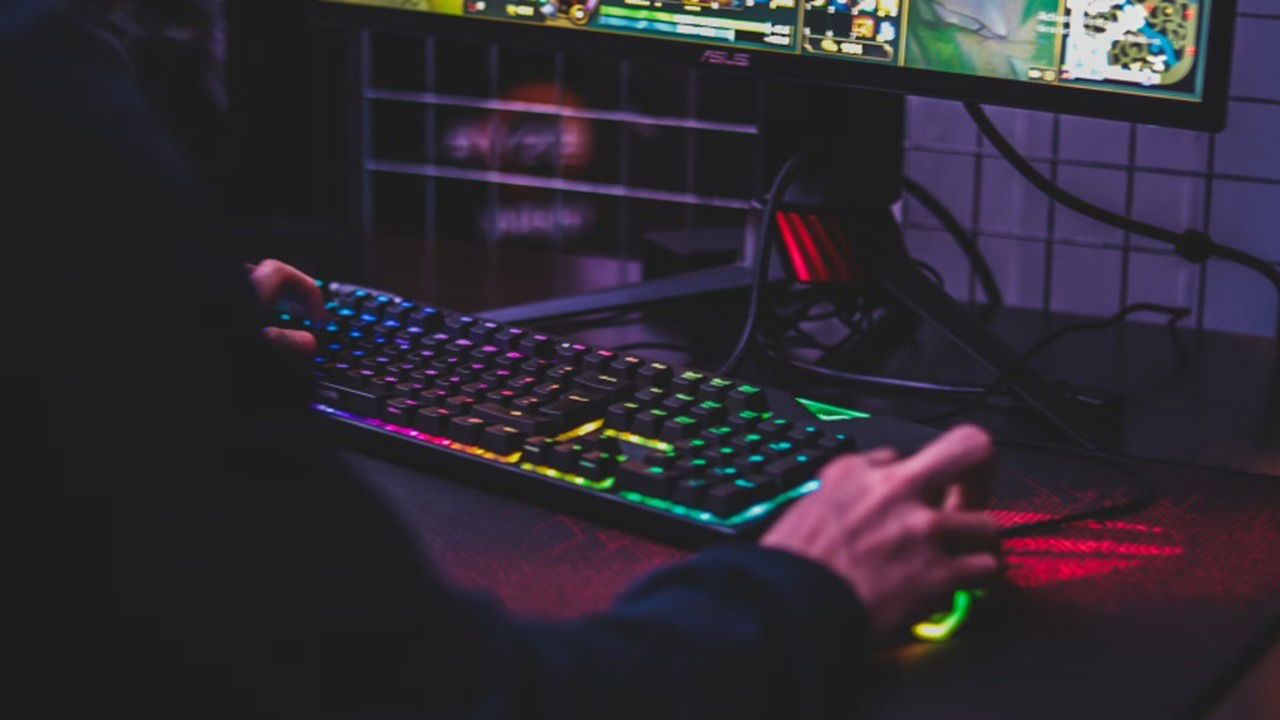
pixel 1155 61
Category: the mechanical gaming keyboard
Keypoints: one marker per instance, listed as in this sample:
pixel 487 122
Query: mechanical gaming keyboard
pixel 675 451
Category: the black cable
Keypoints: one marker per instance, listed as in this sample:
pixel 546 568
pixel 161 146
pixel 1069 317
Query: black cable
pixel 764 253
pixel 1193 245
pixel 1175 314
pixel 902 383
pixel 1145 491
pixel 967 244
pixel 934 274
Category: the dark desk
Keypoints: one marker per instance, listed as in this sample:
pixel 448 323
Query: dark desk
pixel 1157 614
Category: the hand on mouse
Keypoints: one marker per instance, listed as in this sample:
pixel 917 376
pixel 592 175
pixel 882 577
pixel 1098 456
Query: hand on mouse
pixel 274 282
pixel 903 533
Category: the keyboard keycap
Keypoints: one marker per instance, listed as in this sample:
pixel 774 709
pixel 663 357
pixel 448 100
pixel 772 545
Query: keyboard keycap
pixel 502 440
pixel 681 427
pixel 531 424
pixel 537 450
pixel 574 409
pixel 729 499
pixel 656 374
pixel 618 416
pixel 641 477
pixel 400 411
pixel 747 397
pixel 433 421
pixel 466 430
pixel 605 385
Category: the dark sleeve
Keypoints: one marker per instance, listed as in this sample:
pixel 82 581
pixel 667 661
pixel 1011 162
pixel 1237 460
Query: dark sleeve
pixel 193 548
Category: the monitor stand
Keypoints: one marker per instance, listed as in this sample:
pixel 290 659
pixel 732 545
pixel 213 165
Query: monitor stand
pixel 848 183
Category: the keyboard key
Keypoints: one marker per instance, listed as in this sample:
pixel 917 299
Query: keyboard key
pixel 838 443
pixel 744 420
pixel 564 457
pixel 605 385
pixel 537 450
pixel 714 389
pixel 509 338
pixel 689 381
pixel 806 436
pixel 481 332
pixel 626 367
pixel 359 377
pixel 651 396
pixel 433 421
pixel 708 412
pixel 694 467
pixel 460 404
pixel 656 374
pixel 569 353
pixel 774 427
pixel 599 360
pixel 562 373
pixel 427 318
pixel 550 391
pixel 747 397
pixel 618 416
pixel 502 396
pixel 466 430
pixel 718 435
pixel 575 409
pixel 511 360
pixel 596 465
pixel 641 477
pixel 476 390
pixel 778 449
pixel 528 404
pixel 678 403
pixel 400 411
pixel 409 389
pixel 729 499
pixel 681 427
pixel 538 346
pixel 502 440
pixel 531 424
pixel 690 492
pixel 458 324
pixel 434 397
pixel 791 471
pixel 536 367
pixel 691 448
pixel 649 423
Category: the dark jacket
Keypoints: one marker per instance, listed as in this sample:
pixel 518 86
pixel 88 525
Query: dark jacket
pixel 191 546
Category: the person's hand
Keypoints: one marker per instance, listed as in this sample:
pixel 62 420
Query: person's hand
pixel 903 533
pixel 276 282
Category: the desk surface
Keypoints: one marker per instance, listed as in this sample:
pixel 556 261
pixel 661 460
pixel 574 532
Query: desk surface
pixel 1151 615
pixel 1154 615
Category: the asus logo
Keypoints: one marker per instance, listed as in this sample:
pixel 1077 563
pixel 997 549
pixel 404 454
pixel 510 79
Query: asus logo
pixel 724 57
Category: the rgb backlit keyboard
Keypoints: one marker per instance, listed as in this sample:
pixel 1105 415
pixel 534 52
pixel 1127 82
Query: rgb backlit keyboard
pixel 659 446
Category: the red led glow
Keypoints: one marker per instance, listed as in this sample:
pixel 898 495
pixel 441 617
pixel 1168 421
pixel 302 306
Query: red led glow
pixel 817 249
pixel 798 265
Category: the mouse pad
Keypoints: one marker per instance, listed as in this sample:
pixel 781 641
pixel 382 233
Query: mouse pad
pixel 1147 614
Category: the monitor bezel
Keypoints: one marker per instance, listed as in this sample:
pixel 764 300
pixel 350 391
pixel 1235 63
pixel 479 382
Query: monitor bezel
pixel 1207 115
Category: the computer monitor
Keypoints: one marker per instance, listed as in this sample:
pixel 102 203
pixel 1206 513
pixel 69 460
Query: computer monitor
pixel 1160 62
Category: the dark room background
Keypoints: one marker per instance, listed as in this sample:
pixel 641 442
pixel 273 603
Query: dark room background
pixel 517 174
